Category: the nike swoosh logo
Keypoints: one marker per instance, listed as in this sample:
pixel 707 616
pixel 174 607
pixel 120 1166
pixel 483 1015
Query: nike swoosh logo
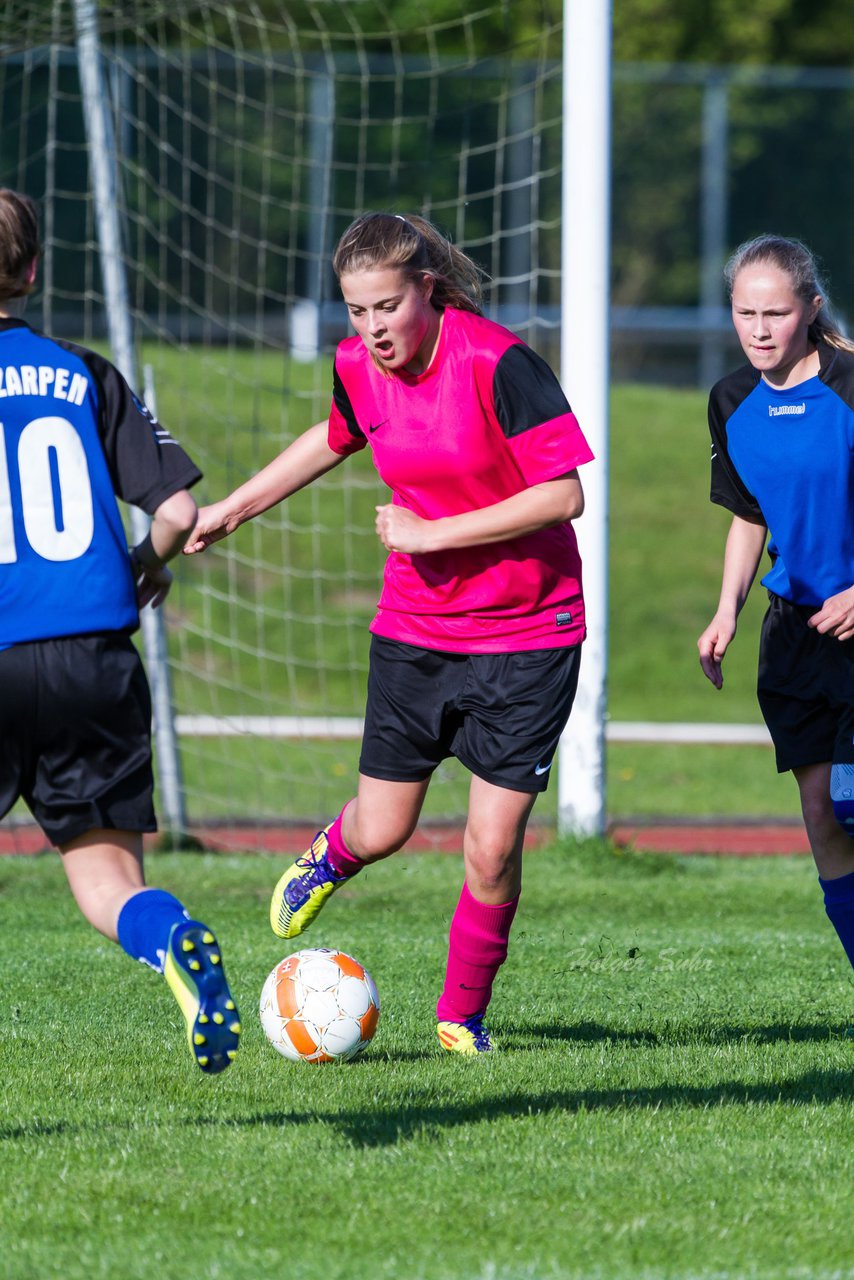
pixel 373 428
pixel 542 768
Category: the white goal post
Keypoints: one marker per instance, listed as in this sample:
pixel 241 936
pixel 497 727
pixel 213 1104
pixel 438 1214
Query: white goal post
pixel 585 334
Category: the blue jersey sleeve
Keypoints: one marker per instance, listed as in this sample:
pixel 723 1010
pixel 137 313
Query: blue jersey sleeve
pixel 146 464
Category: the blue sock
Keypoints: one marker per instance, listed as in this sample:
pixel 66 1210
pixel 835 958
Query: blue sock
pixel 144 925
pixel 839 905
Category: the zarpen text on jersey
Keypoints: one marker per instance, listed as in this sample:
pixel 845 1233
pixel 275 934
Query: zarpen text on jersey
pixel 42 380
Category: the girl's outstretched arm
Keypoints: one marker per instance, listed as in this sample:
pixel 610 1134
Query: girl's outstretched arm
pixel 303 461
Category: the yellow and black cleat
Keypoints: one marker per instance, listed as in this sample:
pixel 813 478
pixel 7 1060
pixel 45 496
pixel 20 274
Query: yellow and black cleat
pixel 196 976
pixel 469 1037
pixel 303 890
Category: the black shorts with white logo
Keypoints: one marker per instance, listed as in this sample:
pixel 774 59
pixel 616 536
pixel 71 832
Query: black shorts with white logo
pixel 75 735
pixel 499 714
pixel 805 688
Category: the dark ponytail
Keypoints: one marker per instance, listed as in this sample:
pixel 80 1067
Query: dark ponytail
pixel 19 243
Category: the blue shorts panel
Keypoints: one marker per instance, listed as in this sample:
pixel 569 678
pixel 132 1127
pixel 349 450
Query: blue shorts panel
pixel 501 715
pixel 75 735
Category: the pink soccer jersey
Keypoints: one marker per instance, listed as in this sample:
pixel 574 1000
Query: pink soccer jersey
pixel 486 420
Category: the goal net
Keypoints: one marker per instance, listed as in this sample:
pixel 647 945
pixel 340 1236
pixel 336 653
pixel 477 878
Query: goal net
pixel 246 138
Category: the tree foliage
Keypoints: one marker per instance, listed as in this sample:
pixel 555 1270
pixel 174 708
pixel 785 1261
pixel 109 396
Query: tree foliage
pixel 460 28
pixel 769 32
pixel 762 32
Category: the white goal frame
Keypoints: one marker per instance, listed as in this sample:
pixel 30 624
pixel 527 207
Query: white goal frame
pixel 585 263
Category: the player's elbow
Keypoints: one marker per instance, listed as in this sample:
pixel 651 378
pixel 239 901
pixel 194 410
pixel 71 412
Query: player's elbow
pixel 177 515
pixel 570 498
pixel 575 504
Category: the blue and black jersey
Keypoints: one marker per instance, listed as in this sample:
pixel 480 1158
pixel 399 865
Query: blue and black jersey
pixel 786 459
pixel 73 438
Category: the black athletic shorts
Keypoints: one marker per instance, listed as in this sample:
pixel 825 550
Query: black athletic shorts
pixel 75 735
pixel 805 688
pixel 499 714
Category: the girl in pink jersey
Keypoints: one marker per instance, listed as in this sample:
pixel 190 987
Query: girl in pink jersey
pixel 475 644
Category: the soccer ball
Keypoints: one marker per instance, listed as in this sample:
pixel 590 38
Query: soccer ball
pixel 319 1005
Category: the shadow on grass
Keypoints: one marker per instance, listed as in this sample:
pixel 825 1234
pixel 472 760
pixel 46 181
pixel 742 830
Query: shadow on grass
pixel 35 1129
pixel 392 1126
pixel 386 1128
pixel 593 1032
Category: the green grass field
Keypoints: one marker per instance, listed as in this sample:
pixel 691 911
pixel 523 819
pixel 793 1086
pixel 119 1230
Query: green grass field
pixel 315 779
pixel 672 1099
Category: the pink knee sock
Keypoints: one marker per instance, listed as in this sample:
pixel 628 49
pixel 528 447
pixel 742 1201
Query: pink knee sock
pixel 339 857
pixel 478 947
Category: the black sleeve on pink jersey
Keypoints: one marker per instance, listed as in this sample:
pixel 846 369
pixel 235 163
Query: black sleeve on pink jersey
pixel 728 489
pixel 342 403
pixel 526 392
pixel 146 465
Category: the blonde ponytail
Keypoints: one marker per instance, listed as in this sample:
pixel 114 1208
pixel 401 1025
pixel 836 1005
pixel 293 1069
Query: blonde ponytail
pixel 799 264
pixel 415 247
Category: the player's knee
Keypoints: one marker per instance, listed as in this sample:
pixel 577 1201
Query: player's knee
pixel 374 850
pixel 372 841
pixel 490 863
pixel 842 796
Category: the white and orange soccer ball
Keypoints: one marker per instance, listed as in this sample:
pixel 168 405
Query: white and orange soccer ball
pixel 319 1005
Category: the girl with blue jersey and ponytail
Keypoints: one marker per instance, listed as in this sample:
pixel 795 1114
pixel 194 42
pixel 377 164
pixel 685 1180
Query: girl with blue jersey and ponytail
pixel 75 709
pixel 783 464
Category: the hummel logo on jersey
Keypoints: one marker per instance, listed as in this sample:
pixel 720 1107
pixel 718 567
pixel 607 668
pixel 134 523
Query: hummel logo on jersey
pixel 372 428
pixel 161 434
pixel 778 410
pixel 143 408
pixel 542 768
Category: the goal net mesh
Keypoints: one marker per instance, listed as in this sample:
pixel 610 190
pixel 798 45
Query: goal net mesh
pixel 247 138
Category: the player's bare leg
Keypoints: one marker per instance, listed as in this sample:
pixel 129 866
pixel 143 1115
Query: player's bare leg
pixel 832 847
pixel 105 872
pixel 382 817
pixel 831 844
pixel 480 930
pixel 376 823
pixel 493 840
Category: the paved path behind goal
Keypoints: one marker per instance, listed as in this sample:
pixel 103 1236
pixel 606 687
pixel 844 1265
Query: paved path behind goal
pixel 741 838
pixel 744 839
